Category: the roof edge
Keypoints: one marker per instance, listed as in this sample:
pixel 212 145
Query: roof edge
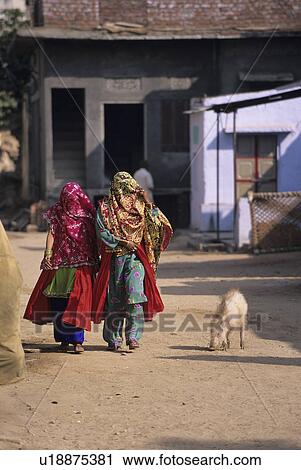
pixel 43 32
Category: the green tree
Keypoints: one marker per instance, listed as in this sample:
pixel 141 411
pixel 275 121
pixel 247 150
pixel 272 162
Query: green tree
pixel 15 66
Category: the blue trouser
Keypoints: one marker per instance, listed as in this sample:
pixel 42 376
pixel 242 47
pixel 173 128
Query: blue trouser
pixel 64 333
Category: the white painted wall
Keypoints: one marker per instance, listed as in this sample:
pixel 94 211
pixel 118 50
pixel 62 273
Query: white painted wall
pixel 243 224
pixel 282 118
pixel 16 4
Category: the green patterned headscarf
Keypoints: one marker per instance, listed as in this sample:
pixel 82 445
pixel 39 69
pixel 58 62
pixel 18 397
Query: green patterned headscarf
pixel 128 217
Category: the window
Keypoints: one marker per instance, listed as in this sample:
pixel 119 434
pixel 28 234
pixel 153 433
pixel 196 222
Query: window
pixel 256 163
pixel 68 124
pixel 38 19
pixel 174 126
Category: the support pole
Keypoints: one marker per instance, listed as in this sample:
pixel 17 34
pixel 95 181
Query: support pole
pixel 25 150
pixel 234 166
pixel 217 178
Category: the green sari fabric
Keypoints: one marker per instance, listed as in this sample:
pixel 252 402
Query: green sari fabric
pixel 62 284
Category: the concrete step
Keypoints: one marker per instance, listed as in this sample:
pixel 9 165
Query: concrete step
pixel 207 243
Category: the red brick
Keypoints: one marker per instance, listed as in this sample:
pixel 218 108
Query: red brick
pixel 189 16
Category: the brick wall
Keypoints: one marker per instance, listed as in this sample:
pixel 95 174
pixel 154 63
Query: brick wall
pixel 193 15
pixel 187 16
pixel 134 11
pixel 79 14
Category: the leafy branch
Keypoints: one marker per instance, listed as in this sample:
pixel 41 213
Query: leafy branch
pixel 15 65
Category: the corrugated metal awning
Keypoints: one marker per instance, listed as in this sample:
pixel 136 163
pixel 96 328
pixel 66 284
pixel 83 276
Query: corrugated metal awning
pixel 258 129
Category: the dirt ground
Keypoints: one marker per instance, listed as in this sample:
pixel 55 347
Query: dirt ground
pixel 172 393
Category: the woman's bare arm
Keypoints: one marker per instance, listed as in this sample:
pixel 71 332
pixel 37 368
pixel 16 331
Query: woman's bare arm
pixel 48 250
pixel 49 240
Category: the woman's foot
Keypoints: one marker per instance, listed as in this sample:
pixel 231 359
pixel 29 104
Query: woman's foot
pixel 133 344
pixel 78 348
pixel 114 347
pixel 63 347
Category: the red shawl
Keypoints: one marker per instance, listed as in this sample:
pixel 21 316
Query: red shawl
pixel 154 302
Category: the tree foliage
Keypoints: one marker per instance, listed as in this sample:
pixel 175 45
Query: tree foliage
pixel 8 104
pixel 15 66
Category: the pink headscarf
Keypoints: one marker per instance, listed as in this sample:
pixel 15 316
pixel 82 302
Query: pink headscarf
pixel 72 223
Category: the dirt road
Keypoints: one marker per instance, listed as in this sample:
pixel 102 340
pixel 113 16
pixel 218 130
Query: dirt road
pixel 172 393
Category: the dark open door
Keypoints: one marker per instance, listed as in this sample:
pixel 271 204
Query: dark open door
pixel 124 132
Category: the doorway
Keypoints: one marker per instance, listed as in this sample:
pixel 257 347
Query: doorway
pixel 124 137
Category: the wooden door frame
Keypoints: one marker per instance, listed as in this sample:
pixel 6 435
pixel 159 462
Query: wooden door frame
pixel 256 158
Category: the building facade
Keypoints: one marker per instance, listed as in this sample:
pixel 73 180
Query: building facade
pixel 113 80
pixel 264 156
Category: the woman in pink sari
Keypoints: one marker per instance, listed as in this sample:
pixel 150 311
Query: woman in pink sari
pixel 63 293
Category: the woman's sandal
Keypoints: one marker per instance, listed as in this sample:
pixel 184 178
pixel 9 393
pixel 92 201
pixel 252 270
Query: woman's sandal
pixel 78 348
pixel 63 347
pixel 114 347
pixel 133 344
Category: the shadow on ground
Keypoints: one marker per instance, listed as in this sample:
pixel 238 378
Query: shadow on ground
pixel 279 264
pixel 182 444
pixel 53 348
pixel 267 360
